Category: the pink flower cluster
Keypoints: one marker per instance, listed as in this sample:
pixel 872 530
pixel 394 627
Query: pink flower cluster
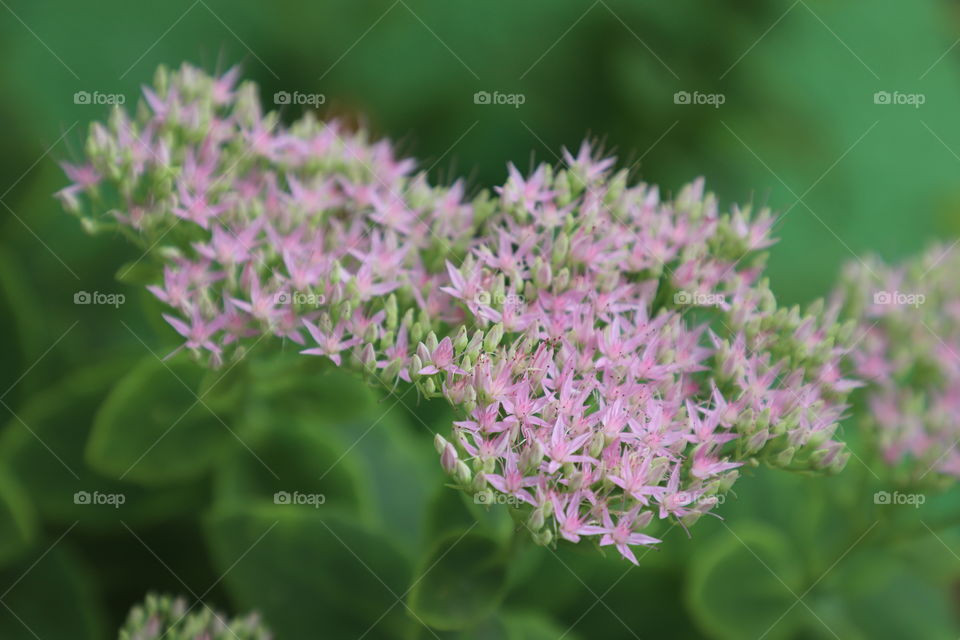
pixel 636 361
pixel 908 353
pixel 614 354
pixel 309 233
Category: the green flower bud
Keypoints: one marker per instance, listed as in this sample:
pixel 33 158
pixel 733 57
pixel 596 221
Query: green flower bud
pixel 494 335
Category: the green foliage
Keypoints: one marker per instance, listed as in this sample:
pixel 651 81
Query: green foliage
pixel 175 437
pixel 742 585
pixel 48 593
pixel 461 582
pixel 348 574
pixel 17 520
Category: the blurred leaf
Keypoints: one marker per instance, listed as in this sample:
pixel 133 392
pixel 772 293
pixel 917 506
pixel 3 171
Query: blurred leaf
pixel 26 334
pixel 292 383
pixel 50 596
pixel 525 625
pixel 44 445
pixel 872 596
pixel 140 272
pixel 461 581
pixel 452 511
pixel 157 426
pixel 391 464
pixel 308 570
pixel 18 524
pixel 401 469
pixel 291 453
pixel 740 585
pixel 532 626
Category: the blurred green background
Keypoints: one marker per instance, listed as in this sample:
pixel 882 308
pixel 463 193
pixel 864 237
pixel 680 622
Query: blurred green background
pixel 799 130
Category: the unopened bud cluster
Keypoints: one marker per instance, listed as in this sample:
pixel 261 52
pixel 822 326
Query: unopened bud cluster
pixel 169 618
pixel 908 354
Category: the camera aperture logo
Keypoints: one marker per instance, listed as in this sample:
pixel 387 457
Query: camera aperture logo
pixel 299 98
pixel 296 498
pixel 885 497
pixel 512 99
pixel 96 97
pixel 697 98
pixel 86 297
pixel 899 98
pixel 96 498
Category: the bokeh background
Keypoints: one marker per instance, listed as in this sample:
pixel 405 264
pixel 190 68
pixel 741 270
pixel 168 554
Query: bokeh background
pixel 88 408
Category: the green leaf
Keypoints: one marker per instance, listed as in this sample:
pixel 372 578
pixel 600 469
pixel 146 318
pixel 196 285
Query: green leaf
pixel 878 597
pixel 292 453
pixel 18 524
pixel 390 463
pixel 743 582
pixel 152 428
pixel 452 511
pixel 50 596
pixel 44 444
pixel 401 469
pixel 295 383
pixel 532 626
pixel 310 570
pixel 460 582
pixel 140 272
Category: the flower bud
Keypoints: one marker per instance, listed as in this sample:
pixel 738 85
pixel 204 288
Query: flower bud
pixel 439 443
pixel 448 459
pixel 494 335
pixel 561 248
pixel 461 341
pixel 462 473
pixel 479 483
pixel 415 365
pixel 536 520
pixel 542 273
pixel 531 456
pixel 785 457
pixel 390 307
pixel 543 537
pixel 597 444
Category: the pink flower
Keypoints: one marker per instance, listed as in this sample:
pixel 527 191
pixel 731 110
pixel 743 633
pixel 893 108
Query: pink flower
pixel 329 344
pixel 622 534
